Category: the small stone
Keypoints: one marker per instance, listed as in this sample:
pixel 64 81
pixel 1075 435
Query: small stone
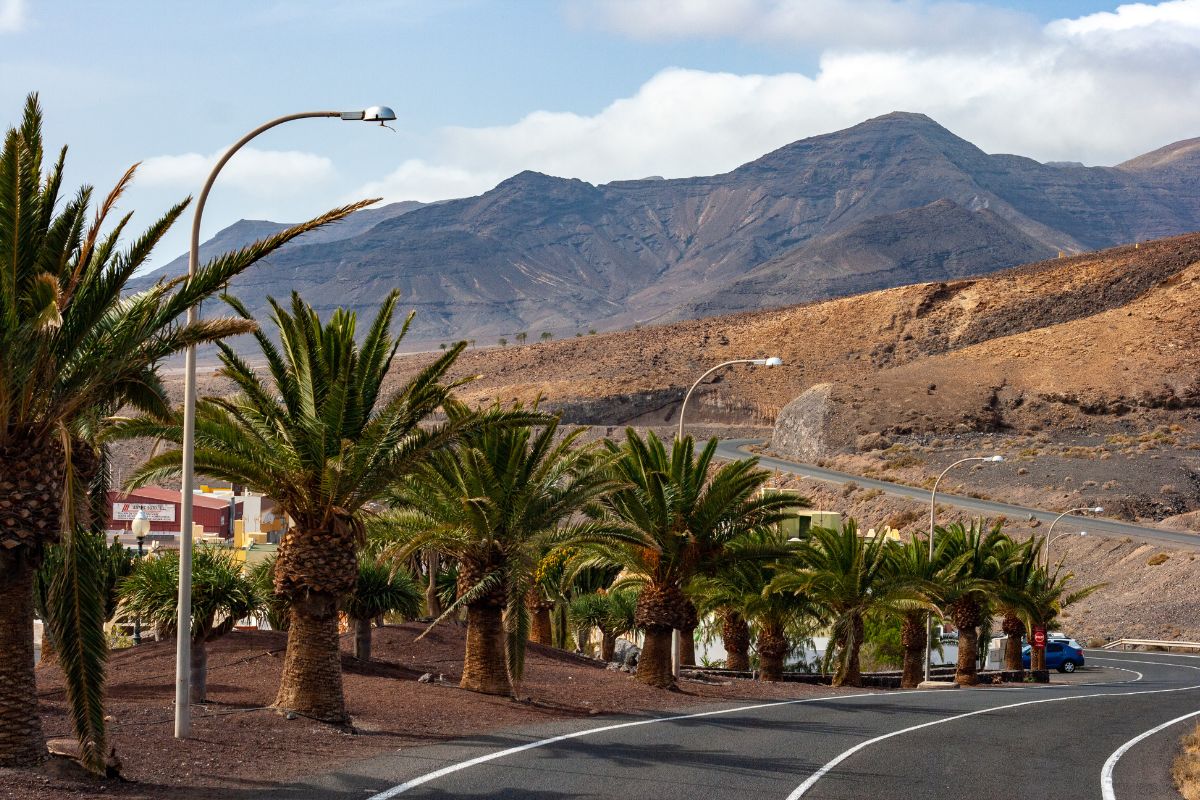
pixel 290 715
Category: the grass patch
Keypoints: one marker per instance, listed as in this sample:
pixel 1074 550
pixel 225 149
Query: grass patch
pixel 1186 769
pixel 1156 559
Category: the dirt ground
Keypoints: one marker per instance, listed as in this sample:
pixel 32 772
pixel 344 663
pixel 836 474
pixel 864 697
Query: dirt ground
pixel 237 744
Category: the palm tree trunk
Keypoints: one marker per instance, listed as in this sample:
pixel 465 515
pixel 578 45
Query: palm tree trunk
pixel 484 666
pixel 608 645
pixel 362 639
pixel 198 691
pixel 1014 628
pixel 432 603
pixel 849 671
pixel 1037 658
pixel 687 634
pixel 311 683
pixel 966 614
pixel 772 649
pixel 687 646
pixel 21 742
pixel 654 664
pixel 912 636
pixel 968 657
pixel 735 635
pixel 540 630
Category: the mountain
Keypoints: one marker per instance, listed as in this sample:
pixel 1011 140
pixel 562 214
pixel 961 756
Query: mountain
pixel 891 201
pixel 247 231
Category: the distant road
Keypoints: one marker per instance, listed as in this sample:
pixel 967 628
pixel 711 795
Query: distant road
pixel 736 448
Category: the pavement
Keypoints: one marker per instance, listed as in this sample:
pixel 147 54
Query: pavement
pixel 737 448
pixel 1070 739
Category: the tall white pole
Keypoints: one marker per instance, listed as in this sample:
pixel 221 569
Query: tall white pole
pixel 676 645
pixel 932 516
pixel 183 641
pixel 1050 530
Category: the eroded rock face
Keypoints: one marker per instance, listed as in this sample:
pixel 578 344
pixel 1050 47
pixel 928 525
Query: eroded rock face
pixel 802 430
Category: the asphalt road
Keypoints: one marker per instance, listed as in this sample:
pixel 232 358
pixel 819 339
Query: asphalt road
pixel 735 448
pixel 1033 742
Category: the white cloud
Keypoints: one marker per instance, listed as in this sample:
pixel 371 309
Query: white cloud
pixel 1098 89
pixel 265 173
pixel 418 180
pixel 12 15
pixel 823 23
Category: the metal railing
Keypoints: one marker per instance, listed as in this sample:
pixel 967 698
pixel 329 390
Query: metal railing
pixel 1126 644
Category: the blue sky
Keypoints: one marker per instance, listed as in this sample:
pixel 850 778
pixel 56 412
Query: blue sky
pixel 596 89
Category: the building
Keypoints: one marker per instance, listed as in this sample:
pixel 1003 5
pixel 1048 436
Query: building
pixel 214 514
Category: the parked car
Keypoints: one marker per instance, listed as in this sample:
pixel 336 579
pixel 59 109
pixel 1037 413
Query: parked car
pixel 1060 655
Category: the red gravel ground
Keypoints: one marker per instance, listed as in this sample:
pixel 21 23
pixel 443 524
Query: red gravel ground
pixel 239 749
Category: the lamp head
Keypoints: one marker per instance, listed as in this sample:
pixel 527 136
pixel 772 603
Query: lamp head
pixel 140 524
pixel 1097 509
pixel 994 459
pixel 773 361
pixel 1083 533
pixel 380 114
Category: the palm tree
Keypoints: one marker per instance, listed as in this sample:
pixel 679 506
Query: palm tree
pixel 912 573
pixel 521 337
pixel 322 439
pixel 221 595
pixel 1046 595
pixel 74 346
pixel 682 517
pixel 378 591
pixel 274 610
pixel 1013 598
pixel 493 504
pixel 981 558
pixel 610 612
pixel 844 574
pixel 740 594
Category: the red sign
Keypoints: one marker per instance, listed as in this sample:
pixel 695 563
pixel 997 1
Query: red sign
pixel 1039 637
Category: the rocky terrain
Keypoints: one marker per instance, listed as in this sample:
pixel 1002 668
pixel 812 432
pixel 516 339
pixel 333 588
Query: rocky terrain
pixel 894 200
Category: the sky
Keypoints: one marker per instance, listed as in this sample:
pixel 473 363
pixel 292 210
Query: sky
pixel 594 89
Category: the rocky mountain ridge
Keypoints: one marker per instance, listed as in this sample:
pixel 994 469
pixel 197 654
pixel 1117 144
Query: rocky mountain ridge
pixel 891 201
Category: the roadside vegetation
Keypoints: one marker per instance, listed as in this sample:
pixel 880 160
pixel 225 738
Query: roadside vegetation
pixel 401 502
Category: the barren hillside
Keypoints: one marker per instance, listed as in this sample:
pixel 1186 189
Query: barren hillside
pixel 1093 331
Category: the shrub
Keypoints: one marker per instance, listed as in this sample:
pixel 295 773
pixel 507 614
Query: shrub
pixel 1156 559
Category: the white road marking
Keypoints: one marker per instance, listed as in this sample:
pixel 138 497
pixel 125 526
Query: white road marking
pixel 1106 774
pixel 387 794
pixel 1119 669
pixel 823 771
pixel 440 773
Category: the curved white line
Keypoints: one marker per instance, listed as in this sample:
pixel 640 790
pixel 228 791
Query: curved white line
pixel 823 771
pixel 1106 774
pixel 1120 669
pixel 432 776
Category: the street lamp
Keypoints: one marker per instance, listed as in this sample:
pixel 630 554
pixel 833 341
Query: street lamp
pixel 1050 530
pixel 773 361
pixel 183 642
pixel 1055 539
pixel 932 516
pixel 140 527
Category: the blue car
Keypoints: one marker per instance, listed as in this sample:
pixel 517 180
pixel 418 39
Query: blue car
pixel 1060 655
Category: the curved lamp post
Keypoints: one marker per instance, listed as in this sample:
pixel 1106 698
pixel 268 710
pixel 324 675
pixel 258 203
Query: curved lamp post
pixel 932 516
pixel 1056 538
pixel 183 643
pixel 773 361
pixel 1050 530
